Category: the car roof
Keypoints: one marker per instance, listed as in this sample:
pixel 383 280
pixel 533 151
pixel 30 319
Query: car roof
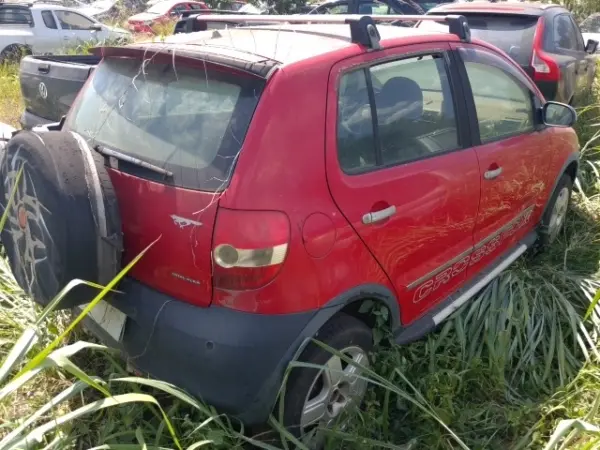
pixel 289 43
pixel 174 2
pixel 517 8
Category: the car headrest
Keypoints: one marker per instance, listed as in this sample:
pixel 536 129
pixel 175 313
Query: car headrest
pixel 399 98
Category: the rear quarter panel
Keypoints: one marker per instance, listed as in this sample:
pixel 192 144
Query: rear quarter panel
pixel 282 167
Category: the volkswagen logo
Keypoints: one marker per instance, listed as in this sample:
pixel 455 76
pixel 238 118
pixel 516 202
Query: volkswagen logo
pixel 43 90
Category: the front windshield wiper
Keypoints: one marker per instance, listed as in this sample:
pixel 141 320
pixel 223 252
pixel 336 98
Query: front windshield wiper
pixel 130 159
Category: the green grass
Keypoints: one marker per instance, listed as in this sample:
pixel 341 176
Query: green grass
pixel 505 372
pixel 10 97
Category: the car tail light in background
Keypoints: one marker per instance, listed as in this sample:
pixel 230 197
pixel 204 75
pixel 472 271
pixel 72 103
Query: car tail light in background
pixel 545 68
pixel 249 248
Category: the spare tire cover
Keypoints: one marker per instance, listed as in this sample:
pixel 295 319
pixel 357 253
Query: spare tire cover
pixel 63 223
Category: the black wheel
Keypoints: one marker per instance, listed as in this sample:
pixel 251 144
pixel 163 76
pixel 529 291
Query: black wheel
pixel 63 222
pixel 13 53
pixel 315 398
pixel 555 215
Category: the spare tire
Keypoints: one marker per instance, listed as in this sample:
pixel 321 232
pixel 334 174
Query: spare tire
pixel 64 221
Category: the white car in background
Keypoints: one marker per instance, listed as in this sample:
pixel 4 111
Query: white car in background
pixel 590 29
pixel 49 28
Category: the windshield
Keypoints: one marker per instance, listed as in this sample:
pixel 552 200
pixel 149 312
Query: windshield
pixel 189 121
pixel 511 33
pixel 591 24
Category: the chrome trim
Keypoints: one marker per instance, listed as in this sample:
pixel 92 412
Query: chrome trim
pixel 504 227
pixel 439 317
pixel 439 269
pixel 480 244
pixel 378 216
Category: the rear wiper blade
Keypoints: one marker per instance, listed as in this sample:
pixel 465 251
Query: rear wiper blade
pixel 130 159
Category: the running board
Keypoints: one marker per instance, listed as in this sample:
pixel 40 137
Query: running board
pixel 429 322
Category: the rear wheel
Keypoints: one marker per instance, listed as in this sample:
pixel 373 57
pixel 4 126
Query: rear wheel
pixel 13 53
pixel 315 399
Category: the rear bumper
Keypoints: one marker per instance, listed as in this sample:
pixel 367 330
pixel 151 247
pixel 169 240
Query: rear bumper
pixel 30 120
pixel 232 360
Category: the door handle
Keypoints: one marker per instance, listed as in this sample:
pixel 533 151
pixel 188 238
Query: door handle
pixel 378 216
pixel 491 174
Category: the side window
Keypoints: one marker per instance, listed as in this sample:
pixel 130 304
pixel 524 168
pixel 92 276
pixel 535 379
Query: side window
pixel 72 21
pixel 338 8
pixel 413 113
pixel 564 33
pixel 15 16
pixel 578 35
pixel 355 137
pixel 503 102
pixel 373 8
pixel 49 20
pixel 195 7
pixel 415 109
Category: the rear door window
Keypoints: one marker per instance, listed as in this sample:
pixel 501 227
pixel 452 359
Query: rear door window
pixel 395 113
pixel 565 34
pixel 189 121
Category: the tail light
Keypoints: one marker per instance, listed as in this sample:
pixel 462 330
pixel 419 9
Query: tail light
pixel 545 68
pixel 249 248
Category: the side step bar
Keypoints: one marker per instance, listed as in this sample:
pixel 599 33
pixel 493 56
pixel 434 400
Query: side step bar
pixel 429 322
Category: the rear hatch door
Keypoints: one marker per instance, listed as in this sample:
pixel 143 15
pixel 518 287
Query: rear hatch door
pixel 176 130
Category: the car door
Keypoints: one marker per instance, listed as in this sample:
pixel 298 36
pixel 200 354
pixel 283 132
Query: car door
pixel 400 168
pixel 76 28
pixel 587 67
pixel 513 152
pixel 571 56
pixel 47 38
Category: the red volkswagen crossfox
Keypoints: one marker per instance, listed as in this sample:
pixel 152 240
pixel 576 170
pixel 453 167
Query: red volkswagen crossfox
pixel 287 173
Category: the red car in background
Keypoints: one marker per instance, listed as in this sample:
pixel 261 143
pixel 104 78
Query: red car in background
pixel 162 12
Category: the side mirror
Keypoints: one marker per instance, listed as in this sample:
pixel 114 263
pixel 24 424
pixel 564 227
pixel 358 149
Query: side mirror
pixel 556 114
pixel 95 27
pixel 591 46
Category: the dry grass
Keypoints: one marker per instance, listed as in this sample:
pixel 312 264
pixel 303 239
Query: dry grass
pixel 10 95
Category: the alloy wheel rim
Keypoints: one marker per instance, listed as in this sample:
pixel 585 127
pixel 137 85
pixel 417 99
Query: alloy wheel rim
pixel 559 213
pixel 334 390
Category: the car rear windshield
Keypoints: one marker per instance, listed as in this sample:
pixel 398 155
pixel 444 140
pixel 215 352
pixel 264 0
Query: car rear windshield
pixel 511 33
pixel 189 121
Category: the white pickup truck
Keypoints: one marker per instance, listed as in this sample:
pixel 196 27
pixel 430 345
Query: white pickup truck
pixel 45 29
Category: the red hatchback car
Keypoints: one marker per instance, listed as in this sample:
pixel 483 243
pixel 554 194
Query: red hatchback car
pixel 162 12
pixel 288 173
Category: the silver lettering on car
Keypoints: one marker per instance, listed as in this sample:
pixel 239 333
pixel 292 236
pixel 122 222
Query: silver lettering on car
pixel 425 286
pixel 189 280
pixel 183 222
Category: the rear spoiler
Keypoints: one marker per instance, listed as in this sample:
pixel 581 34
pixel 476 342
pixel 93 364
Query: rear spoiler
pixel 363 29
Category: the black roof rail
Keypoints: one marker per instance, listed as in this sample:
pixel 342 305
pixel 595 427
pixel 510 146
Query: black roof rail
pixel 363 29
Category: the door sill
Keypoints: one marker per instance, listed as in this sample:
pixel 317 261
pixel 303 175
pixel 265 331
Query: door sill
pixel 437 315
